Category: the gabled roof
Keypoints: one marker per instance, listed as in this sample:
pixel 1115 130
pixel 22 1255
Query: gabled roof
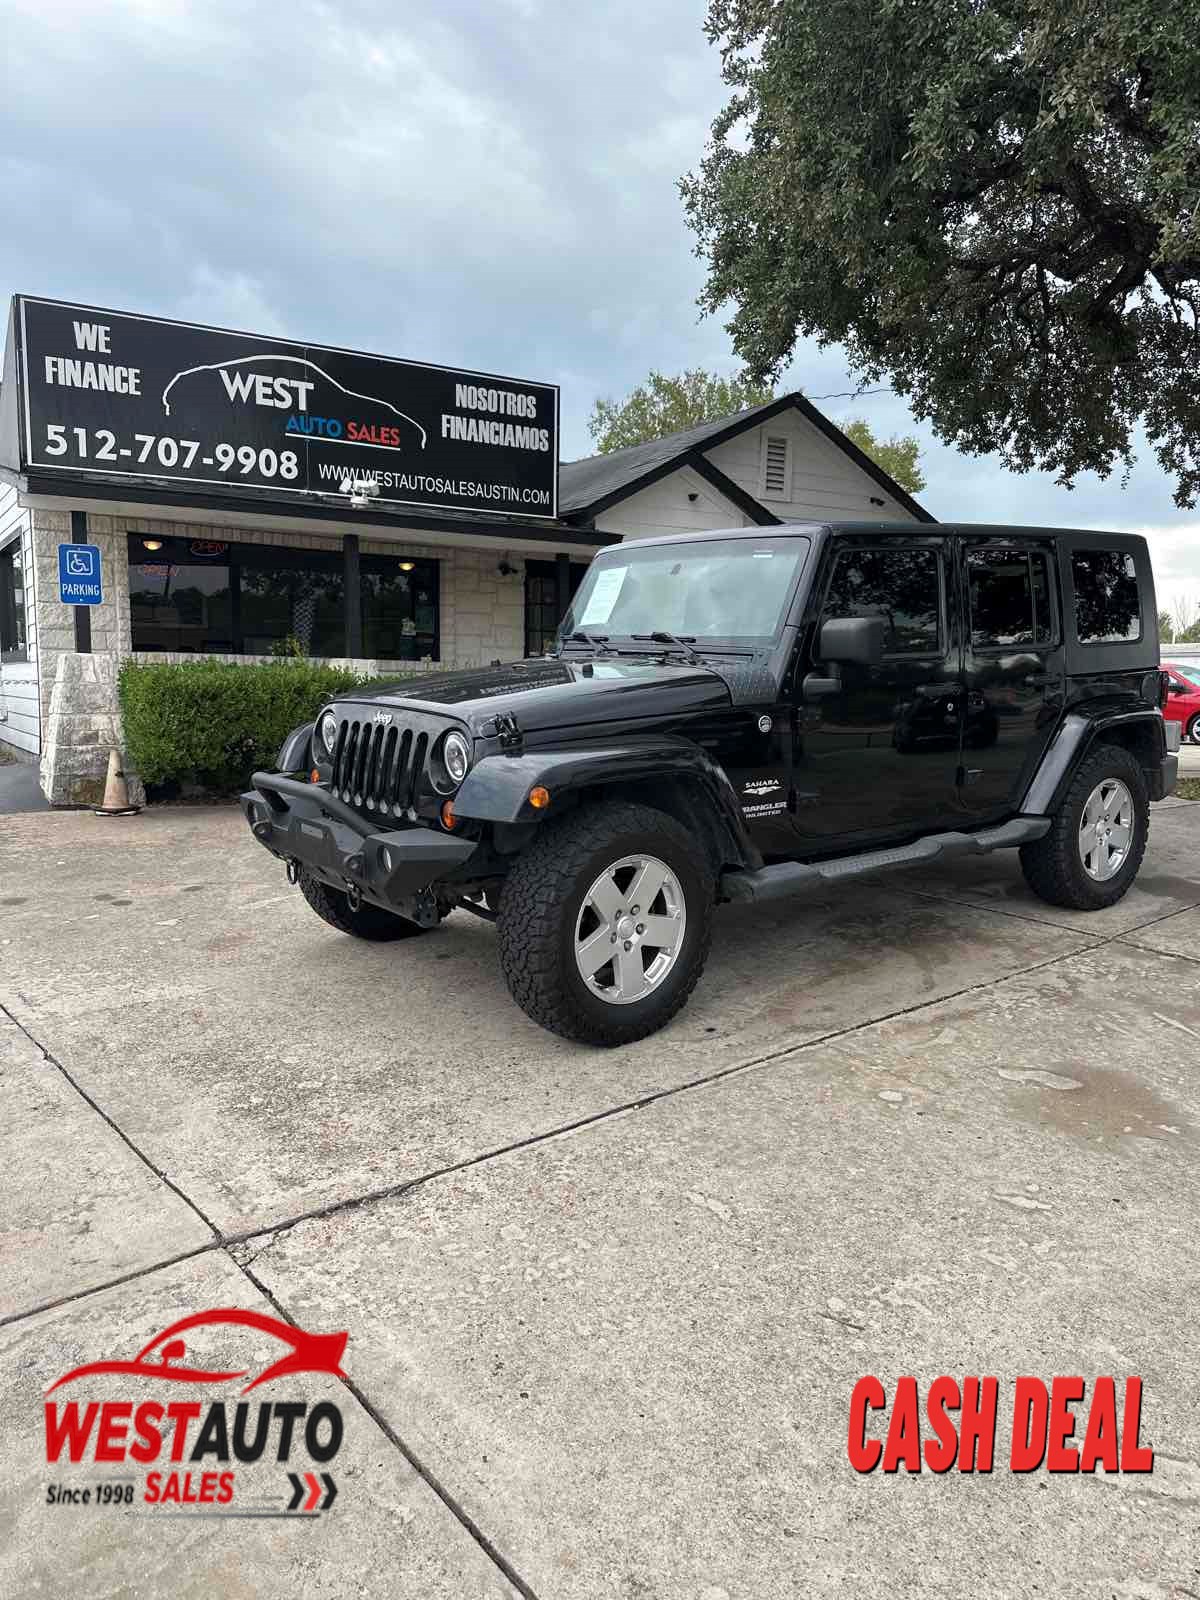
pixel 587 487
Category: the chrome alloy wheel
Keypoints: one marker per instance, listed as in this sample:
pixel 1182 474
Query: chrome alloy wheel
pixel 1106 829
pixel 630 929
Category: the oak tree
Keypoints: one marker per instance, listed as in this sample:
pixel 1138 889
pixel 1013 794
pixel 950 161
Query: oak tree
pixel 993 206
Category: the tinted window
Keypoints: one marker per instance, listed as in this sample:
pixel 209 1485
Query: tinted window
pixel 180 606
pixel 1010 598
pixel 205 596
pixel 12 604
pixel 902 586
pixel 1107 602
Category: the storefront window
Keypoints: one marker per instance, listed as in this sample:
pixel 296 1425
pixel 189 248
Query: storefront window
pixel 293 603
pixel 399 609
pixel 180 606
pixel 205 596
pixel 12 604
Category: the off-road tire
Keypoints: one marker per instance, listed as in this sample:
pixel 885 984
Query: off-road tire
pixel 539 908
pixel 1052 865
pixel 368 922
pixel 1193 730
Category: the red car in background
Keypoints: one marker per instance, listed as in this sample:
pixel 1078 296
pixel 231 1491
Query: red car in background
pixel 1183 696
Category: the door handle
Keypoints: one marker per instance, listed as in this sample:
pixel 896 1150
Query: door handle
pixel 938 691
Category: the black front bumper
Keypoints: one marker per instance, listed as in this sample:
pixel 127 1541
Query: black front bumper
pixel 304 823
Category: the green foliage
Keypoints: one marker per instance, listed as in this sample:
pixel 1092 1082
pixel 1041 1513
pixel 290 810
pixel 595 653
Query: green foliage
pixel 289 648
pixel 665 405
pixel 213 723
pixel 1166 634
pixel 900 456
pixel 994 207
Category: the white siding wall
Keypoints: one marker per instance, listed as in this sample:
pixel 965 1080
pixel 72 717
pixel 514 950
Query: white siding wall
pixel 665 508
pixel 825 483
pixel 20 723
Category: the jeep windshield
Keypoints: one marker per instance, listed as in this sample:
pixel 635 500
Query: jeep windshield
pixel 713 592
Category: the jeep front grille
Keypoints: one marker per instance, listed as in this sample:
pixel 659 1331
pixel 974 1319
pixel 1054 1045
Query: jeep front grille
pixel 377 766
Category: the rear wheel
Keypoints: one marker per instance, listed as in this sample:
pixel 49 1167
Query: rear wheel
pixel 605 923
pixel 1097 839
pixel 364 921
pixel 1193 731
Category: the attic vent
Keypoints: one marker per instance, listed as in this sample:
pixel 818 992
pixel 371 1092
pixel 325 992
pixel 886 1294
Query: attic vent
pixel 777 475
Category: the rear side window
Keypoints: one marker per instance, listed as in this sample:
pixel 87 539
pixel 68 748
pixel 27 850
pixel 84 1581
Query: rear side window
pixel 902 586
pixel 1010 598
pixel 1108 607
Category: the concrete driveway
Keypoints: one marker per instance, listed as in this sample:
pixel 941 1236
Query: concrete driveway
pixel 605 1309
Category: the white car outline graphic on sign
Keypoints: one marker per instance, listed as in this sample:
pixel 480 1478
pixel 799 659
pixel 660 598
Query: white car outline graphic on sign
pixel 299 361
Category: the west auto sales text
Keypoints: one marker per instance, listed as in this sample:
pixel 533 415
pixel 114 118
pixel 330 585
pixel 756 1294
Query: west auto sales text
pixel 1059 1424
pixel 117 1432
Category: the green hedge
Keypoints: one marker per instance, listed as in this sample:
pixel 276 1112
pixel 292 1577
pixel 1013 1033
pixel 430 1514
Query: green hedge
pixel 212 723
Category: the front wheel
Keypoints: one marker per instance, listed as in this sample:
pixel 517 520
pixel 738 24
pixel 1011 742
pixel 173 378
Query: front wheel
pixel 1097 839
pixel 605 922
pixel 364 921
pixel 1193 731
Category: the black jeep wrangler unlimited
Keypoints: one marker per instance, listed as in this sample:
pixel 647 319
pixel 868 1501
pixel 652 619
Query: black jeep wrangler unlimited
pixel 736 716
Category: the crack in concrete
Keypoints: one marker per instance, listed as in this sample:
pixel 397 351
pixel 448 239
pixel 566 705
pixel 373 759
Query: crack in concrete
pixel 428 1477
pixel 158 1171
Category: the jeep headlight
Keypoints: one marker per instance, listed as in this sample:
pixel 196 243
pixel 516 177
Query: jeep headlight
pixel 327 731
pixel 456 756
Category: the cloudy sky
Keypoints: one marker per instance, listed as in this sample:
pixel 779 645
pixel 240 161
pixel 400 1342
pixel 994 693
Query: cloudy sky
pixel 484 182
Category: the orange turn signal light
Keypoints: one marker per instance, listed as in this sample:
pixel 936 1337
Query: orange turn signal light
pixel 539 798
pixel 314 776
pixel 449 820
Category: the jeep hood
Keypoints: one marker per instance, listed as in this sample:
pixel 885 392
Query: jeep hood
pixel 544 694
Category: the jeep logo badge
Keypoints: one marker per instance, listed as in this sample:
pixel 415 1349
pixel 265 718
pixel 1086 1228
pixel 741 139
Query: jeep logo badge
pixel 383 717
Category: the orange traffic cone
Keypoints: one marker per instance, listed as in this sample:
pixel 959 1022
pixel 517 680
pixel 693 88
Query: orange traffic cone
pixel 116 791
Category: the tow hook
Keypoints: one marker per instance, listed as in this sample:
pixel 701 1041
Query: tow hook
pixel 353 896
pixel 293 871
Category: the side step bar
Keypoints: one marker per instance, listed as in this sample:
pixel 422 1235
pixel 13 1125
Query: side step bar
pixel 792 877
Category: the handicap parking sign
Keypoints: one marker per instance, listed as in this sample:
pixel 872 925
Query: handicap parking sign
pixel 79 575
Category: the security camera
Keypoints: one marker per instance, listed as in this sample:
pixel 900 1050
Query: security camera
pixel 506 568
pixel 361 491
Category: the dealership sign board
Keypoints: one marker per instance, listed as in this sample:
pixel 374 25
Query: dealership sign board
pixel 105 395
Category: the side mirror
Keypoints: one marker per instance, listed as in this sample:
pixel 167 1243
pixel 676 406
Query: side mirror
pixel 1175 688
pixel 859 639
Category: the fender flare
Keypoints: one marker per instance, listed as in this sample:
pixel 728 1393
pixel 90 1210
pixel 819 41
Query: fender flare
pixel 296 750
pixel 497 788
pixel 1074 738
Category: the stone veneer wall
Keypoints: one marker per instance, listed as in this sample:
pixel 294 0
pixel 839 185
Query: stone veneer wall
pixel 481 617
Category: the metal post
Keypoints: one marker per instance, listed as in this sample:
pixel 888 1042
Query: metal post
pixel 352 586
pixel 83 614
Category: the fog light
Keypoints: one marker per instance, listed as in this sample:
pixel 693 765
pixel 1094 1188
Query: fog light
pixel 539 798
pixel 449 820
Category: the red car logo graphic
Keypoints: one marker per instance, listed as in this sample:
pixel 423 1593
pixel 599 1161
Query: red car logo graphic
pixel 163 1356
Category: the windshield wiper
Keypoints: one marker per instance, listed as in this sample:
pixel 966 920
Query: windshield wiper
pixel 682 642
pixel 598 641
